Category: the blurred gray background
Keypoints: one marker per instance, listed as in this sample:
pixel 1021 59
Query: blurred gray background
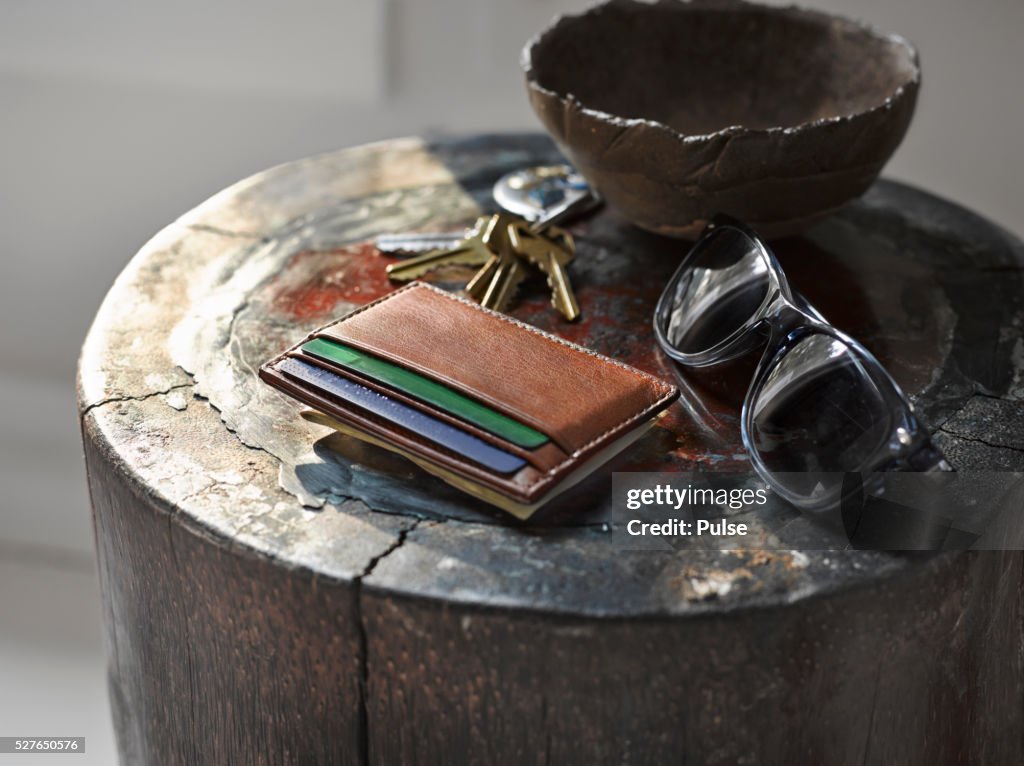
pixel 118 116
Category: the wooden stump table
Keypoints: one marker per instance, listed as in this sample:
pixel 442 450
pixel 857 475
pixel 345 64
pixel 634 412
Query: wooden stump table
pixel 276 593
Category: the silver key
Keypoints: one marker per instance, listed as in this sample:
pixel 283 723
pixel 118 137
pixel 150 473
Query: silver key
pixel 472 250
pixel 414 243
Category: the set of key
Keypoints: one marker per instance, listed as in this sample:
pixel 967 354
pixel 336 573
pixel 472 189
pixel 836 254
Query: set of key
pixel 502 247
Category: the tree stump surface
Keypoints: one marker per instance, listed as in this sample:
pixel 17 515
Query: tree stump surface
pixel 275 593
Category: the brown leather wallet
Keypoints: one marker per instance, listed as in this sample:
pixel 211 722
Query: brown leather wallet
pixel 589 406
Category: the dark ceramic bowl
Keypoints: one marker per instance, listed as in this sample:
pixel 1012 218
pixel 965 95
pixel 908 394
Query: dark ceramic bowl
pixel 676 111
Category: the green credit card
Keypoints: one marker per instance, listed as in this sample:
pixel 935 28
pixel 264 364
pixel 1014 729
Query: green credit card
pixel 415 385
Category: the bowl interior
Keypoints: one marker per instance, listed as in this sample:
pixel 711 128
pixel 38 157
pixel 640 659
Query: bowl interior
pixel 700 67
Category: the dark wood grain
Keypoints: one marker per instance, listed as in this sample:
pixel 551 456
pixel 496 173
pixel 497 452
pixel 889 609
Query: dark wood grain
pixel 218 655
pixel 865 676
pixel 274 593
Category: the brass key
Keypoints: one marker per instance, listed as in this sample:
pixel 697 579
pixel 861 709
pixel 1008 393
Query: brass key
pixel 476 288
pixel 550 252
pixel 496 238
pixel 505 270
pixel 470 251
pixel 508 275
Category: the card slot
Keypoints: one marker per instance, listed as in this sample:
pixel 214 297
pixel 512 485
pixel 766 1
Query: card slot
pixel 429 391
pixel 520 486
pixel 545 457
pixel 386 413
pixel 476 393
pixel 348 394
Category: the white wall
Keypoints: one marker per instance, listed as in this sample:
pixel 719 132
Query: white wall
pixel 118 115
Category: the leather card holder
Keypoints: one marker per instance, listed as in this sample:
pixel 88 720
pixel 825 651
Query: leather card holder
pixel 585 403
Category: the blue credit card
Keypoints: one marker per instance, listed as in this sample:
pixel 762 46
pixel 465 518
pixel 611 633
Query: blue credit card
pixel 402 415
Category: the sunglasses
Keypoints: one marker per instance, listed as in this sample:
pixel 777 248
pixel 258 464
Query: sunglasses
pixel 820 405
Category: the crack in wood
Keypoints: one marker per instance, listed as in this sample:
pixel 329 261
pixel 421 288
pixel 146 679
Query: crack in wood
pixel 134 398
pixel 977 440
pixel 874 709
pixel 364 672
pixel 254 447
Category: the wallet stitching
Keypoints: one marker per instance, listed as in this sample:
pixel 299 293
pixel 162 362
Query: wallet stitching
pixel 548 476
pixel 555 339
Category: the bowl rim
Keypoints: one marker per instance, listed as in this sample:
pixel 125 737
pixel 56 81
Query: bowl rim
pixel 910 83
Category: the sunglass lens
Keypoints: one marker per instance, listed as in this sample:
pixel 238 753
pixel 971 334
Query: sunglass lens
pixel 818 412
pixel 723 282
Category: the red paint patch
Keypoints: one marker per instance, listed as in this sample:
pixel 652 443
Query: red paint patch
pixel 314 282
